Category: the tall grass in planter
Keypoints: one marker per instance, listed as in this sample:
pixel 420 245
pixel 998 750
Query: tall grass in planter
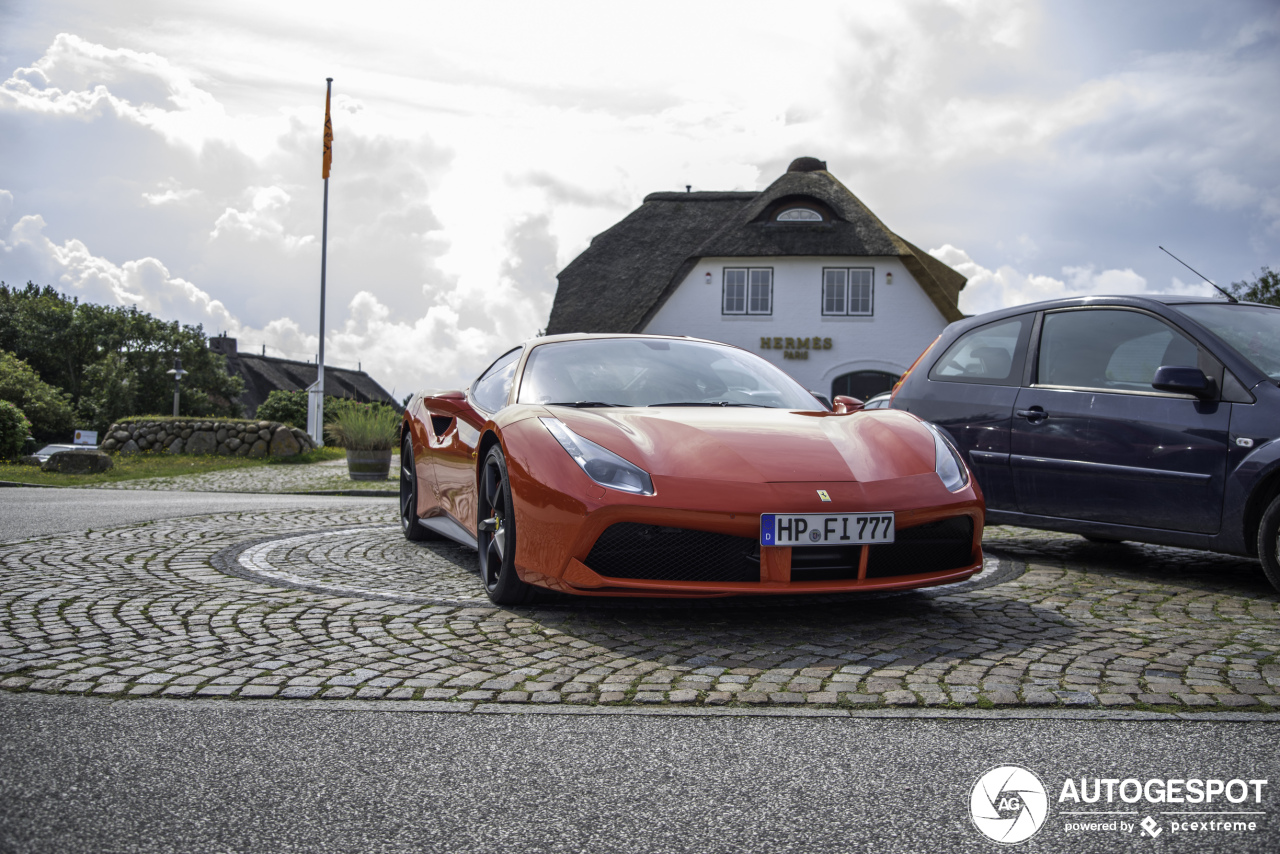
pixel 369 432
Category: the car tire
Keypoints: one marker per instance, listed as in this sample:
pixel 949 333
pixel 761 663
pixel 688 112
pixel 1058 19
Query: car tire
pixel 1269 542
pixel 496 534
pixel 409 496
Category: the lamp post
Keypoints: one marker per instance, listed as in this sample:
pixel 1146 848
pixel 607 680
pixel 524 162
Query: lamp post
pixel 177 373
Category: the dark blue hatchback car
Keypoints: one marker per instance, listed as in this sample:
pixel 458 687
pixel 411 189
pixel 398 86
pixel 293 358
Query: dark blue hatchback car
pixel 1155 419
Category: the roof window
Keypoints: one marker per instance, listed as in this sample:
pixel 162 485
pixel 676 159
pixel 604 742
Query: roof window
pixel 799 215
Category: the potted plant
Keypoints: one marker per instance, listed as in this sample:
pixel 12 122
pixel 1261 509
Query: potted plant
pixel 369 432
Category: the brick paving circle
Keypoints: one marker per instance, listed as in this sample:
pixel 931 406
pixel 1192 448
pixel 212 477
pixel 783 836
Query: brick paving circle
pixel 336 604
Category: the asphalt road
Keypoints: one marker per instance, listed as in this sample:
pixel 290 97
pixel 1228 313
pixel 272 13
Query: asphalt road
pixel 79 775
pixel 86 775
pixel 28 512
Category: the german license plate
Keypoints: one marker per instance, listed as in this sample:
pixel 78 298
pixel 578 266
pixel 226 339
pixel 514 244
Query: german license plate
pixel 825 529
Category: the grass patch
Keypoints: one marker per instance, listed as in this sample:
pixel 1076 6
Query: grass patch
pixel 148 464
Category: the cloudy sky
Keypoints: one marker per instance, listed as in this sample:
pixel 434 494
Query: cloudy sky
pixel 167 154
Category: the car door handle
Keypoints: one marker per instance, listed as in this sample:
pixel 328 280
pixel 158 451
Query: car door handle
pixel 1035 414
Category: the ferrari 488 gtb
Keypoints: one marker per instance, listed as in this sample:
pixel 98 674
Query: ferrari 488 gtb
pixel 642 465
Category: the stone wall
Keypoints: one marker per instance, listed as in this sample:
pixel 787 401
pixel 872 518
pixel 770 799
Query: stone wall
pixel 226 436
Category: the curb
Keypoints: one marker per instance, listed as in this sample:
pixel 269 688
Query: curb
pixel 453 707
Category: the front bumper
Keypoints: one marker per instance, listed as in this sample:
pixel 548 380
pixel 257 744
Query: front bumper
pixel 561 517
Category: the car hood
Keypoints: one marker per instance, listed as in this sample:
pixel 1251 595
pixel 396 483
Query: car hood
pixel 760 445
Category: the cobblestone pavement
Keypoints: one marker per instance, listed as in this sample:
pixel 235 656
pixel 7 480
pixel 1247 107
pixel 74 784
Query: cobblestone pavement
pixel 328 476
pixel 336 604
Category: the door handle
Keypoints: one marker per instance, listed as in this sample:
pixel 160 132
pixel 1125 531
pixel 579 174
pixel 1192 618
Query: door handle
pixel 1035 414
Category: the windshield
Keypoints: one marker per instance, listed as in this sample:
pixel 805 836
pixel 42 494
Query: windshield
pixel 655 372
pixel 1253 330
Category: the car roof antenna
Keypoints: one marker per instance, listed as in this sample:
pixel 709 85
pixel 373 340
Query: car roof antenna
pixel 1223 291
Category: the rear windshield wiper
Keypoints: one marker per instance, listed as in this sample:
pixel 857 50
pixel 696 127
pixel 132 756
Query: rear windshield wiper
pixel 581 404
pixel 710 403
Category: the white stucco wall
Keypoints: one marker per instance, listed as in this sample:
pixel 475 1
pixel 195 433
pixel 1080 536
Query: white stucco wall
pixel 904 323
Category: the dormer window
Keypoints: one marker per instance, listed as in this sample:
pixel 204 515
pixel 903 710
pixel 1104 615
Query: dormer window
pixel 799 215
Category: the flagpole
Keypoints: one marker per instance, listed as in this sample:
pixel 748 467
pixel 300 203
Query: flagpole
pixel 316 403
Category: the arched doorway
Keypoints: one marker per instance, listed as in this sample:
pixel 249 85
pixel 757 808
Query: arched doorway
pixel 863 384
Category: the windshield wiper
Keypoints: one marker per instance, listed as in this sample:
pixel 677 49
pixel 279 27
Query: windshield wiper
pixel 581 404
pixel 710 403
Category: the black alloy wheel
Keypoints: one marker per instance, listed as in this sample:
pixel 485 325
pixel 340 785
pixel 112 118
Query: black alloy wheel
pixel 497 534
pixel 409 496
pixel 1269 542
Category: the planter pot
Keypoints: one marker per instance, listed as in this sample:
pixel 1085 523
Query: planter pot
pixel 368 465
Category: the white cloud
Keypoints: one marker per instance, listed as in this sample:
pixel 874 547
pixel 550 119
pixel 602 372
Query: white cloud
pixel 262 220
pixel 1004 287
pixel 144 282
pixel 77 78
pixel 1222 191
pixel 444 347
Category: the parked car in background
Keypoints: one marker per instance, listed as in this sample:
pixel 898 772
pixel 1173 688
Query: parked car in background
pixel 1152 419
pixel 47 451
pixel 639 465
pixel 879 401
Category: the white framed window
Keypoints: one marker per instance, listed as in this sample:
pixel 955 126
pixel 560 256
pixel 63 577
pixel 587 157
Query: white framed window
pixel 748 290
pixel 848 291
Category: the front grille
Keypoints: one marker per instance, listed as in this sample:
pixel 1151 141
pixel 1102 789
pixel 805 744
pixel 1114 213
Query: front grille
pixel 934 547
pixel 632 550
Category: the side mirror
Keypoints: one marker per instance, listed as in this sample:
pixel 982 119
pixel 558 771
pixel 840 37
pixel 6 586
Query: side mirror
pixel 1180 380
pixel 845 404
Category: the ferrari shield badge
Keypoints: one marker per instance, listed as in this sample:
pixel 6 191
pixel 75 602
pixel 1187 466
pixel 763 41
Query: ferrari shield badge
pixel 822 493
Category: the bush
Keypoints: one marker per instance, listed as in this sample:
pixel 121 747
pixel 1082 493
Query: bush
pixel 14 428
pixel 364 427
pixel 48 408
pixel 287 407
pixel 290 407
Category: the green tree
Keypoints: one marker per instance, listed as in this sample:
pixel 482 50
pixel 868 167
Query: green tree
pixel 49 409
pixel 113 361
pixel 1265 288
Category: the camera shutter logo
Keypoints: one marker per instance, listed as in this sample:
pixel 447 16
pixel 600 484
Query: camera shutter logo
pixel 1008 804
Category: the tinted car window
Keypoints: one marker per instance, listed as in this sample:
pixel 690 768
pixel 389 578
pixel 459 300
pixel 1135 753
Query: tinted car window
pixel 1109 349
pixel 987 354
pixel 494 386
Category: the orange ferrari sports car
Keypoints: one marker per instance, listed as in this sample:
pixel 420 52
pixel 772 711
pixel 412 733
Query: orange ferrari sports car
pixel 643 465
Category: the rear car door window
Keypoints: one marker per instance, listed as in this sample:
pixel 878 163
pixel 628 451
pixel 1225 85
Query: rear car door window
pixel 990 354
pixel 1109 349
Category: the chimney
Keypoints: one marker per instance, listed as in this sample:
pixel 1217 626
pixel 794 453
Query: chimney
pixel 224 345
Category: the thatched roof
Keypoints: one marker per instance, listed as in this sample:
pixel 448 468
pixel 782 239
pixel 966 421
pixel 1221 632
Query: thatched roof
pixel 629 271
pixel 264 374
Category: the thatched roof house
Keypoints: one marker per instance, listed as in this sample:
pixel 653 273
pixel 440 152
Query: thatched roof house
pixel 265 374
pixel 798 234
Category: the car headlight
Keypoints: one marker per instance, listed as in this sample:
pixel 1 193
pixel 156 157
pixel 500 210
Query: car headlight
pixel 601 464
pixel 947 461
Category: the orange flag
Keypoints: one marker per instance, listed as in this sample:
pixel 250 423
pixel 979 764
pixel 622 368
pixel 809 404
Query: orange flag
pixel 328 140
